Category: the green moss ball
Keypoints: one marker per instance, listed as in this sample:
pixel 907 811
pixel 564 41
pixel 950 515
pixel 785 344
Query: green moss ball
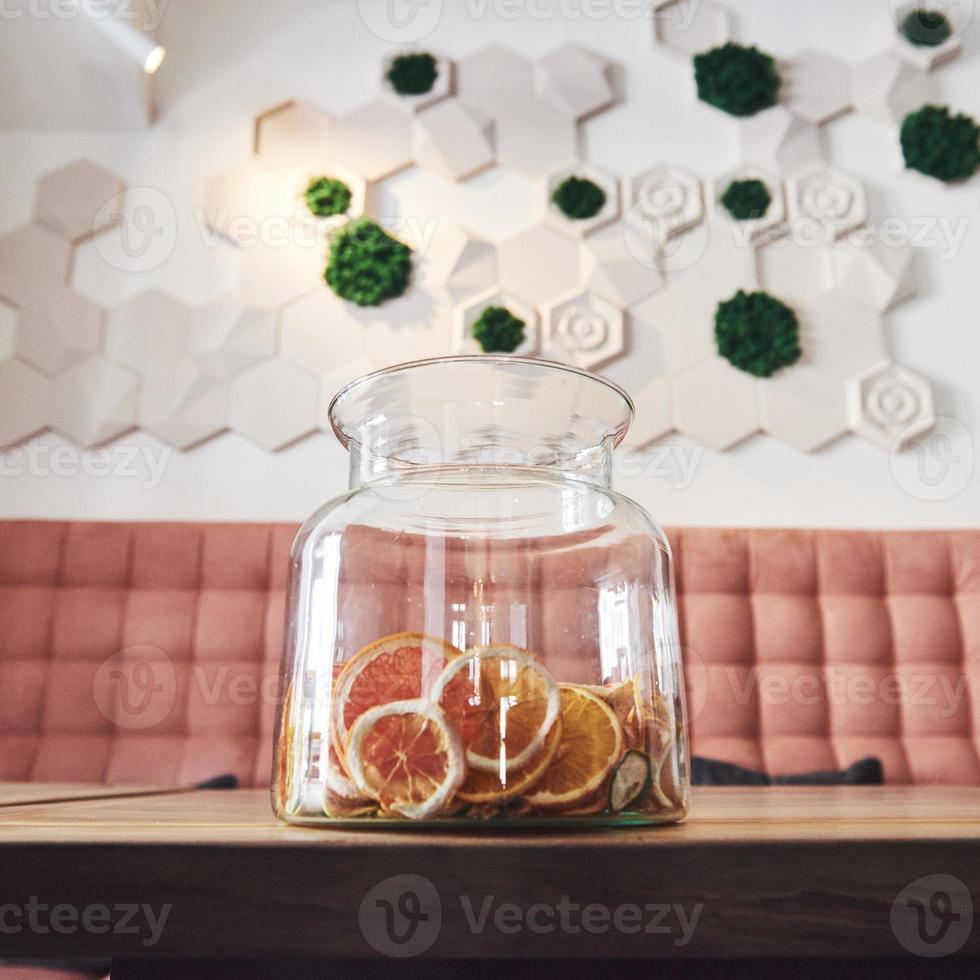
pixel 738 80
pixel 926 28
pixel 579 198
pixel 745 200
pixel 497 330
pixel 413 74
pixel 327 196
pixel 757 333
pixel 939 144
pixel 367 266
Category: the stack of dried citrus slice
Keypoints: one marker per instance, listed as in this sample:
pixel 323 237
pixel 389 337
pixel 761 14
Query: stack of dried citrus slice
pixel 421 729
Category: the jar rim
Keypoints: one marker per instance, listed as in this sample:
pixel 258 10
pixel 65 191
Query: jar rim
pixel 510 360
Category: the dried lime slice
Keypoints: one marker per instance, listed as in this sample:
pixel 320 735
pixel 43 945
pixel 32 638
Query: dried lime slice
pixel 631 779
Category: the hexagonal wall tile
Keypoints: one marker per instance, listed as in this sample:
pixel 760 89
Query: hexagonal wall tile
pixel 412 327
pixel 182 406
pixel 804 407
pixel 496 80
pixel 465 315
pixel 654 414
pixel 58 328
pixel 463 263
pixel 8 329
pixel 886 88
pixel 840 337
pixel 539 265
pixel 375 140
pixel 794 272
pixel 610 269
pixel 586 328
pixel 70 198
pixel 888 403
pixel 273 404
pixel 321 332
pixel 669 198
pixel 926 57
pixel 442 87
pixel 537 140
pixel 241 201
pixel 453 140
pixel 689 29
pixel 830 198
pixel 32 259
pixel 228 336
pixel 149 331
pixel 94 401
pixel 716 404
pixel 574 80
pixel 779 140
pixel 753 230
pixel 295 138
pixel 683 314
pixel 24 395
pixel 580 227
pixel 816 86
pixel 877 274
pixel 274 273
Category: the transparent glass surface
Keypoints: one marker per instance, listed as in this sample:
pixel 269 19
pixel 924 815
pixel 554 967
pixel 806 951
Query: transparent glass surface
pixel 482 631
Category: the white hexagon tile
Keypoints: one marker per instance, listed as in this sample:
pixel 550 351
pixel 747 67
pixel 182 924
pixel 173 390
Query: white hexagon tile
pixel 273 404
pixel 626 281
pixel 24 397
pixel 94 401
pixel 453 140
pixel 295 138
pixel 889 403
pixel 466 315
pixel 584 329
pixel 71 200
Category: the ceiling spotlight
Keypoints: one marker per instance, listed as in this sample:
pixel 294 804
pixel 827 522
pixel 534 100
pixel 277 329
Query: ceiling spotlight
pixel 129 39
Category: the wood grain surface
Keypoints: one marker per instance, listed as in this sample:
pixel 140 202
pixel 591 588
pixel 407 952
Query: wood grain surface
pixel 753 872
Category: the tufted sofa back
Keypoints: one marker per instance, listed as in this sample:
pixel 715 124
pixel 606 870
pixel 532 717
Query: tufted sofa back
pixel 149 652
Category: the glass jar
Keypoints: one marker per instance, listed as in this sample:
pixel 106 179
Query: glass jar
pixel 481 629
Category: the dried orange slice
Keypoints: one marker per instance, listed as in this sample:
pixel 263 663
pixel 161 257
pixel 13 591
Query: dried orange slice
pixel 591 743
pixel 494 787
pixel 395 668
pixel 503 702
pixel 406 756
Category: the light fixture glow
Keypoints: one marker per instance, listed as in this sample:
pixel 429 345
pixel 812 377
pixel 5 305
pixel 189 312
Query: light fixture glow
pixel 129 39
pixel 154 59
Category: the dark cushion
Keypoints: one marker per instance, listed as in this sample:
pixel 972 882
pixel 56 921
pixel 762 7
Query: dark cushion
pixel 711 772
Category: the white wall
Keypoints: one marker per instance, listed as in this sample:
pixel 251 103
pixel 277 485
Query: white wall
pixel 230 60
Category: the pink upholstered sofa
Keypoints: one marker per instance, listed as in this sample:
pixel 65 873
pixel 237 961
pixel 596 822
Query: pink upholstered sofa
pixel 805 649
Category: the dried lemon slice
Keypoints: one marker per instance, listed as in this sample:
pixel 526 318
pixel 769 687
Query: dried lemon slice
pixel 503 702
pixel 406 756
pixel 591 743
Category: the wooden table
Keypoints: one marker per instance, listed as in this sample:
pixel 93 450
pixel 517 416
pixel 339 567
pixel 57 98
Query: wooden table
pixel 754 872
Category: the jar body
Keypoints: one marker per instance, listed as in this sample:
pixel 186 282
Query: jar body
pixel 481 643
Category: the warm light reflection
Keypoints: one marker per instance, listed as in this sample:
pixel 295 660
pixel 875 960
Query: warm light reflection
pixel 154 59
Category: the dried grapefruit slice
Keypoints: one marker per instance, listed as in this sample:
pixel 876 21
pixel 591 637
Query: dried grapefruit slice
pixel 503 702
pixel 399 667
pixel 406 756
pixel 494 787
pixel 591 743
